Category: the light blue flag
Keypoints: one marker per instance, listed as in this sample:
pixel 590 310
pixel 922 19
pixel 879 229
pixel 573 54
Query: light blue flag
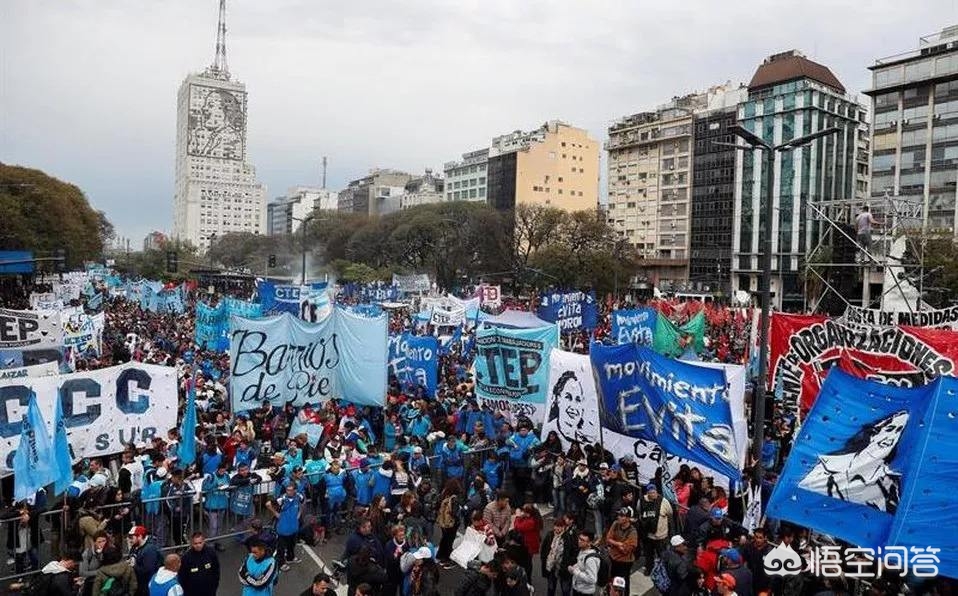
pixel 61 451
pixel 32 463
pixel 188 428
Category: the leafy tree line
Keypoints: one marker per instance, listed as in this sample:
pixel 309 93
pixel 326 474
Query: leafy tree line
pixel 456 243
pixel 43 214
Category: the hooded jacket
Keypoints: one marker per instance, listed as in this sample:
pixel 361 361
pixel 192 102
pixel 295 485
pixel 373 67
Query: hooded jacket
pixel 121 572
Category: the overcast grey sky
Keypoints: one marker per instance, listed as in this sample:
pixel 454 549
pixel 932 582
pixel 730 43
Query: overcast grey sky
pixel 88 87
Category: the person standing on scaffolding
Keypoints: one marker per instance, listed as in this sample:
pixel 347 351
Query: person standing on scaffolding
pixel 864 222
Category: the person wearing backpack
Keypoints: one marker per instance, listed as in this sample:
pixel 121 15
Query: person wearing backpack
pixel 671 571
pixel 585 572
pixel 115 577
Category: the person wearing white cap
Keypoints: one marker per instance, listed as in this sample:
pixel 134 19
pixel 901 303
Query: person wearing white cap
pixel 421 574
pixel 617 587
pixel 677 563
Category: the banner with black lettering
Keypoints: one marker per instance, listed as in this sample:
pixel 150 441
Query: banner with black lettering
pixel 283 359
pixel 417 282
pixel 102 409
pixel 512 369
pixel 946 318
pixel 25 372
pixel 30 329
pixel 805 347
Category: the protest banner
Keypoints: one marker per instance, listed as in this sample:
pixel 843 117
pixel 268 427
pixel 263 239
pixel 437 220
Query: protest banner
pixel 441 317
pixel 83 332
pixel 22 372
pixel 874 465
pixel 803 348
pixel 103 410
pixel 512 369
pixel 683 407
pixel 30 329
pixel 572 411
pixel 421 362
pixel 283 359
pixel 570 310
pixel 945 318
pixel 634 325
pixel 277 298
pixel 417 282
pixel 489 295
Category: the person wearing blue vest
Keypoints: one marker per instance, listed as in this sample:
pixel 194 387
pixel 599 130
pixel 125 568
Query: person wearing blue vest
pixel 335 480
pixel 211 458
pixel 259 571
pixel 242 486
pixel 451 460
pixel 216 498
pixel 492 470
pixel 288 510
pixel 363 481
pixel 520 446
pixel 150 497
pixel 166 581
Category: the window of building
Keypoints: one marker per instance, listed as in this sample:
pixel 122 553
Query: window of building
pixel 472 193
pixel 564 156
pixel 482 180
pixel 563 143
pixel 560 178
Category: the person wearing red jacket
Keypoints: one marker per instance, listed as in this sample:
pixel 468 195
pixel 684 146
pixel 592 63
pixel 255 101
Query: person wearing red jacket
pixel 528 522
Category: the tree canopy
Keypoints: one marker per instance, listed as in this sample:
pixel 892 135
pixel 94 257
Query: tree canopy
pixel 453 242
pixel 43 214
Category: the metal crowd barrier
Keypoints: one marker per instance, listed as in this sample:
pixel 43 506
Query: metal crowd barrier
pixel 170 529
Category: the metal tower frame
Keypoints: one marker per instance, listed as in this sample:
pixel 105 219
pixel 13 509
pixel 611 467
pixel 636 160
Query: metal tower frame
pixel 900 215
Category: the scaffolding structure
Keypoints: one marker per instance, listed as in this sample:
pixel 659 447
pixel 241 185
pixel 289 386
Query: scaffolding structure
pixel 897 252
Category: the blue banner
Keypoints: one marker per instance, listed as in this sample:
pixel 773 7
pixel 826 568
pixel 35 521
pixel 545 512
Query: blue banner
pixel 571 310
pixel 682 407
pixel 277 298
pixel 368 310
pixel 282 358
pixel 212 329
pixel 634 325
pixel 96 302
pixel 422 362
pixel 372 292
pixel 875 465
pixel 514 363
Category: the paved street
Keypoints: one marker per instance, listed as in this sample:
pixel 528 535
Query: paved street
pixel 299 576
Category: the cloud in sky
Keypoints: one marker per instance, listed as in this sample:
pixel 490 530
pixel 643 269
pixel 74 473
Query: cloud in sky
pixel 88 87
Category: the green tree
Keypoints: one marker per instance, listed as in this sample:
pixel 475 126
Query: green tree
pixel 43 214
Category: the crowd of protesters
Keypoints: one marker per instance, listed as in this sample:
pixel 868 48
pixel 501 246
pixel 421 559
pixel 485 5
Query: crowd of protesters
pixel 406 482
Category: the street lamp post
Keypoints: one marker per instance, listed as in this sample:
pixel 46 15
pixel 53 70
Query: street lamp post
pixel 765 296
pixel 304 221
pixel 210 249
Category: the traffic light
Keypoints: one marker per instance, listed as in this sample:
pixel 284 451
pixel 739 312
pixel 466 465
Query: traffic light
pixel 272 261
pixel 172 261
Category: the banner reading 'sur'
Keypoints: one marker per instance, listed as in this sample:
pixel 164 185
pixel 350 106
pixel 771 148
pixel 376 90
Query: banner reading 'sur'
pixel 512 368
pixel 805 347
pixel 103 410
pixel 281 359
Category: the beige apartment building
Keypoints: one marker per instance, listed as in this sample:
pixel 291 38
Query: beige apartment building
pixel 556 165
pixel 650 164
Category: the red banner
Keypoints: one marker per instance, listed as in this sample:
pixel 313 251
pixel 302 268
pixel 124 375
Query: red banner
pixel 804 347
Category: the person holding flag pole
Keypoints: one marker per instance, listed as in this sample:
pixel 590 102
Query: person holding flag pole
pixel 32 469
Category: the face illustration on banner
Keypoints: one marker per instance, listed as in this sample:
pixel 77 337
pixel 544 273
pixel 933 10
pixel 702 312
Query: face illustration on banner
pixel 569 410
pixel 861 471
